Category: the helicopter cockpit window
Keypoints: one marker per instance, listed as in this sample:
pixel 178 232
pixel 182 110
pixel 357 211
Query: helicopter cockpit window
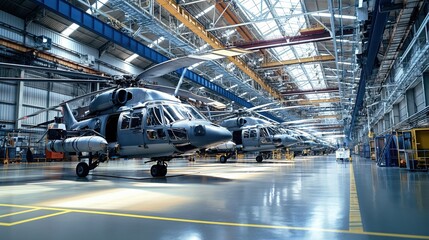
pixel 273 131
pixel 177 134
pixel 173 113
pixel 125 121
pixel 263 132
pixel 194 113
pixel 154 116
pixel 136 120
pixel 265 135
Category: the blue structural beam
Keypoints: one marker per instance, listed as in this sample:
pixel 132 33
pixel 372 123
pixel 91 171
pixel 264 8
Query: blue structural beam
pixel 378 24
pixel 100 28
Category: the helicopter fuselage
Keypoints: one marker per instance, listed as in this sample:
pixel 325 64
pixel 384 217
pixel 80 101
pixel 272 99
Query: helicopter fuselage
pixel 154 129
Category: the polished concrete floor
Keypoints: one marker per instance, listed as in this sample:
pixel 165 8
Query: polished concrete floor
pixel 309 198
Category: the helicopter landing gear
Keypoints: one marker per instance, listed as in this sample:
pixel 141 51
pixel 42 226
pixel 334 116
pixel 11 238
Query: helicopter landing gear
pixel 159 169
pixel 82 168
pixel 259 158
pixel 266 155
pixel 224 158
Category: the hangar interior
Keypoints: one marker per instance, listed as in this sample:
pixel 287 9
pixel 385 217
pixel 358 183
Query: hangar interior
pixel 335 74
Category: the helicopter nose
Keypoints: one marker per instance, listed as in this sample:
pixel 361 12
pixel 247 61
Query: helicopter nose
pixel 287 140
pixel 209 135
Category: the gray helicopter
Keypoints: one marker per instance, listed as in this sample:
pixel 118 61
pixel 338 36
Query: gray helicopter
pixel 131 121
pixel 138 122
pixel 252 134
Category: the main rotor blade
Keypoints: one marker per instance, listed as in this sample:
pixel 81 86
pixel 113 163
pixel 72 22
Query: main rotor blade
pixel 259 106
pixel 57 71
pixel 52 80
pixel 70 100
pixel 300 121
pixel 283 108
pixel 185 94
pixel 177 63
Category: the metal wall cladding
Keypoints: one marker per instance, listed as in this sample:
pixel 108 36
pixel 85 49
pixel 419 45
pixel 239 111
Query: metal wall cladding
pixel 62 42
pixel 419 97
pixel 120 64
pixel 7 93
pixel 403 112
pixel 54 113
pixel 7 112
pixel 35 119
pixel 35 97
pixel 13 21
pixel 57 98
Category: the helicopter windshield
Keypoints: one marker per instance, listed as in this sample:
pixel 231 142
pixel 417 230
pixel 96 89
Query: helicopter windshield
pixel 194 113
pixel 175 113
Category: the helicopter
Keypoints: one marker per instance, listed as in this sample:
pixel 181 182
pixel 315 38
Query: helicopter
pixel 132 121
pixel 252 134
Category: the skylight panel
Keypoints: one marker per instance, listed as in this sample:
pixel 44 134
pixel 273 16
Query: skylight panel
pixel 97 5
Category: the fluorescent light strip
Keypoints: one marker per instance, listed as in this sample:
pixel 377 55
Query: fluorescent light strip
pixel 70 29
pixel 335 15
pixel 132 57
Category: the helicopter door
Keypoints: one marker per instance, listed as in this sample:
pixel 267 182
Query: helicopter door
pixel 155 135
pixel 236 137
pixel 250 137
pixel 265 136
pixel 130 135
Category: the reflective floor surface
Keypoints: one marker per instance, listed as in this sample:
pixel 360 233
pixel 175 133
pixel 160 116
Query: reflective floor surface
pixel 309 198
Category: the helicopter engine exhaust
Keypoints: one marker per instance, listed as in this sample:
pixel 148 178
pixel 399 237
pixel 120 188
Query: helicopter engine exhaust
pixel 109 99
pixel 78 144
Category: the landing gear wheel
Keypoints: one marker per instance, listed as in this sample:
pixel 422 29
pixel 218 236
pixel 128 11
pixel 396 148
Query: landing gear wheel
pixel 82 169
pixel 163 170
pixel 158 170
pixel 223 159
pixel 259 158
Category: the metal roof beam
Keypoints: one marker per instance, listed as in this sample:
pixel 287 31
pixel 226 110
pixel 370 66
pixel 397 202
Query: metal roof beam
pixel 277 64
pixel 315 91
pixel 193 24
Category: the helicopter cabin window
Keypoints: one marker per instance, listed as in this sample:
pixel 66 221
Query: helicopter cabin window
pixel 252 133
pixel 136 120
pixel 246 133
pixel 125 121
pixel 154 116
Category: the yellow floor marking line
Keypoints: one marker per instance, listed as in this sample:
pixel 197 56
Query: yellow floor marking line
pixel 37 218
pixel 232 224
pixel 355 220
pixel 20 212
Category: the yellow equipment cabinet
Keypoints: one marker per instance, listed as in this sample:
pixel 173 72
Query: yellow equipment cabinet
pixel 420 145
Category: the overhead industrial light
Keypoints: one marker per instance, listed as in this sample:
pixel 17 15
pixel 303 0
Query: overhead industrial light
pixel 70 29
pixel 320 14
pixel 131 58
pixel 253 98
